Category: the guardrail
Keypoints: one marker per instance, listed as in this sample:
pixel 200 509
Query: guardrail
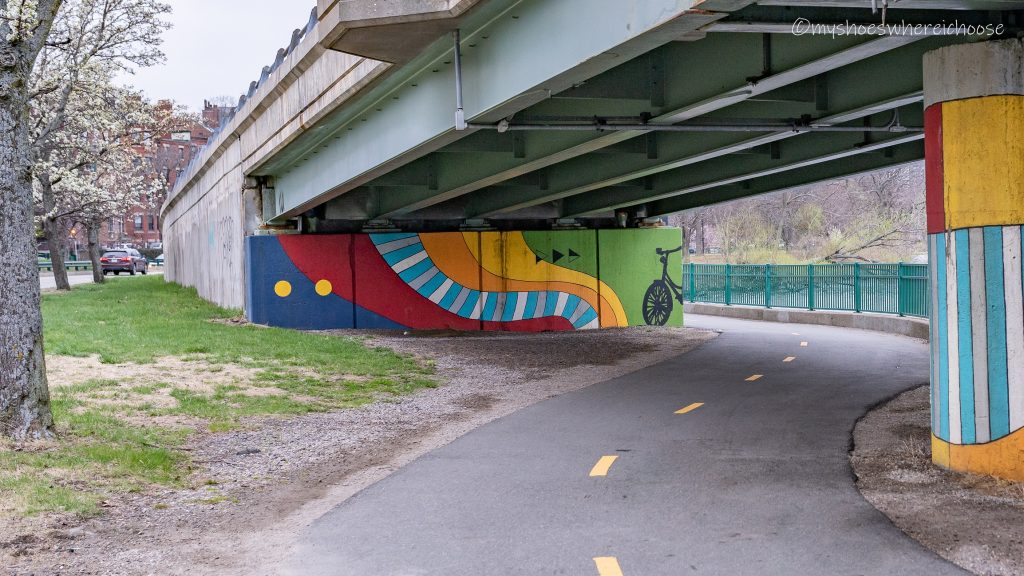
pixel 77 265
pixel 882 288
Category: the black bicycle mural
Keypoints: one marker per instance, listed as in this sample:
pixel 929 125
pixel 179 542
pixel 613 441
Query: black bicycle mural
pixel 658 298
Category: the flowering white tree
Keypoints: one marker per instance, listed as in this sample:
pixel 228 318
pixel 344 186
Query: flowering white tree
pixel 95 165
pixel 91 40
pixel 70 40
pixel 24 397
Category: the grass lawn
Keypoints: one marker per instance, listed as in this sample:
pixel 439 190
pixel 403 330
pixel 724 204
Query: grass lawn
pixel 169 365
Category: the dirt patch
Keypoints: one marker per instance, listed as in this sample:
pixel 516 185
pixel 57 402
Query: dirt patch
pixel 255 489
pixel 976 522
pixel 195 375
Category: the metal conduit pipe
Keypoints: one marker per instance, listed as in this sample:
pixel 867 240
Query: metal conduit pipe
pixel 780 127
pixel 460 113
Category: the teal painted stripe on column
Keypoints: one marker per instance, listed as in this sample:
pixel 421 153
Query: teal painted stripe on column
pixel 940 287
pixel 998 393
pixel 966 345
pixel 933 336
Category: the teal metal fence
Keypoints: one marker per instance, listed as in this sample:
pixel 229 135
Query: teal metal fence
pixel 69 265
pixel 884 288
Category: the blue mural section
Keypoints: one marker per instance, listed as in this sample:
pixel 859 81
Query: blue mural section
pixel 279 294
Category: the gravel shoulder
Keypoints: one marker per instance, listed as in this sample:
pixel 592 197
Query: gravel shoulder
pixel 976 522
pixel 254 489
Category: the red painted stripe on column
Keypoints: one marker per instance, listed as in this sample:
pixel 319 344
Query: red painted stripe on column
pixel 935 199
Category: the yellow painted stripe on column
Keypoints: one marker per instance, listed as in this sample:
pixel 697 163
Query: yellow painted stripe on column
pixel 789 358
pixel 983 161
pixel 755 377
pixel 608 566
pixel 690 408
pixel 602 466
pixel 997 458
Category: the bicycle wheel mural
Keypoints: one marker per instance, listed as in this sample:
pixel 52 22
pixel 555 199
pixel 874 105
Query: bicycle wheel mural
pixel 516 281
pixel 659 296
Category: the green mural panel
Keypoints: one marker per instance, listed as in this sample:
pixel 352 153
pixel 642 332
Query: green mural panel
pixel 646 282
pixel 572 249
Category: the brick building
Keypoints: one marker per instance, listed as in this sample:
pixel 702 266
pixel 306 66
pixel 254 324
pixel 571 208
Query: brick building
pixel 140 225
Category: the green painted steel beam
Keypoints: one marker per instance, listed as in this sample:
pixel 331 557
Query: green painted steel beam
pixel 514 55
pixel 675 151
pixel 798 153
pixel 897 155
pixel 852 94
pixel 696 83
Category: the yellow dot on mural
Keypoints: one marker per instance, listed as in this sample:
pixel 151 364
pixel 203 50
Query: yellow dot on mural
pixel 283 288
pixel 324 287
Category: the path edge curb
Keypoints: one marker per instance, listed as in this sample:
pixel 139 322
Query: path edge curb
pixel 904 326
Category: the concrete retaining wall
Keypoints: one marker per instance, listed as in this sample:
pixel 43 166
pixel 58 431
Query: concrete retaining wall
pixel 913 327
pixel 208 214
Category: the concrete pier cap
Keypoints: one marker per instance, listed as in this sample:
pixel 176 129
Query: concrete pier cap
pixel 974 70
pixel 387 30
pixel 974 159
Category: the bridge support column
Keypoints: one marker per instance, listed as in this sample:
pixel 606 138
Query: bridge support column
pixel 515 281
pixel 974 155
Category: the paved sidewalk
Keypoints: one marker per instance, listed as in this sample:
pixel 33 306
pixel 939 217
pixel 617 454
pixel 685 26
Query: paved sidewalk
pixel 46 281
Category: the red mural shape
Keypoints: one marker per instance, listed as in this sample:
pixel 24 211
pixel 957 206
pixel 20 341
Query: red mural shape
pixel 379 290
pixel 549 324
pixel 935 197
pixel 323 258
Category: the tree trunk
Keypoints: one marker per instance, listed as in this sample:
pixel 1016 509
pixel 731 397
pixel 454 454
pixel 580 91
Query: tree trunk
pixel 24 397
pixel 93 229
pixel 54 232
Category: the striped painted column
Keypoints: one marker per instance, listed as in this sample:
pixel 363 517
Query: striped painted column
pixel 974 156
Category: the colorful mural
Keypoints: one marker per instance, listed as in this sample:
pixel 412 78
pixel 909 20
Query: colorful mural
pixel 514 281
pixel 975 197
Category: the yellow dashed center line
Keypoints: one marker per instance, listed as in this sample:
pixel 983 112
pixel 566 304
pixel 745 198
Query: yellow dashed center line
pixel 789 358
pixel 755 377
pixel 803 344
pixel 690 408
pixel 602 466
pixel 607 566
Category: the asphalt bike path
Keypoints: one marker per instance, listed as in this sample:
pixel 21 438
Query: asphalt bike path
pixel 730 459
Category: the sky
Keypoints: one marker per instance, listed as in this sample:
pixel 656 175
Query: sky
pixel 217 47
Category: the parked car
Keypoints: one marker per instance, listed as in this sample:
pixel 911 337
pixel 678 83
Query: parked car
pixel 125 260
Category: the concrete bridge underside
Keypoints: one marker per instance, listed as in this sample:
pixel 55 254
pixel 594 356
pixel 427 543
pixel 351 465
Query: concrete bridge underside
pixel 348 191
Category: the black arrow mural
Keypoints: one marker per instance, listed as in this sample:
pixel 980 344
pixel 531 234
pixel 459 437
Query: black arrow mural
pixel 556 256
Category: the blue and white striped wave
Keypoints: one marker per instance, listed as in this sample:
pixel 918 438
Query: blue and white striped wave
pixel 977 333
pixel 406 255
